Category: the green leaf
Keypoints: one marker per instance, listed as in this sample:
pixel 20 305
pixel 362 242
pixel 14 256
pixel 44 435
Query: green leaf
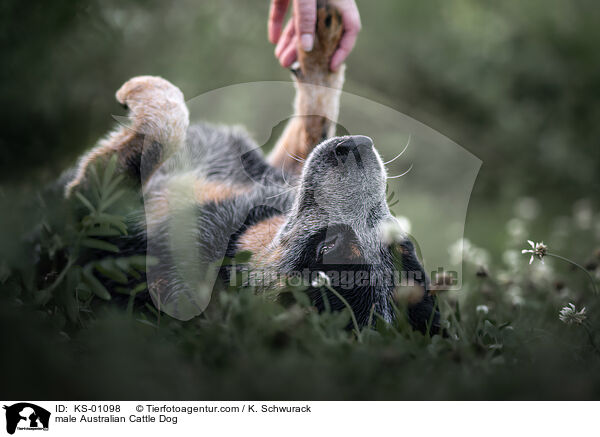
pixel 94 243
pixel 95 183
pixel 124 263
pixel 113 184
pixel 115 220
pixel 95 285
pixel 139 288
pixel 83 291
pixel 132 291
pixel 103 220
pixel 106 203
pixel 85 202
pixel 108 268
pixel 140 262
pixel 102 231
pixel 68 296
pixel 109 171
pixel 153 310
pixel 148 323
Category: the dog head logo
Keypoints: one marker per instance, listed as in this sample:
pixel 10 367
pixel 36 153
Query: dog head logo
pixel 26 416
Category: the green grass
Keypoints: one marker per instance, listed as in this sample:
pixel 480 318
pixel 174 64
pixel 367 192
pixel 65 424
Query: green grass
pixel 67 336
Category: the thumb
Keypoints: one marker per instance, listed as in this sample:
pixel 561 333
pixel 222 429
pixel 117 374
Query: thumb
pixel 305 17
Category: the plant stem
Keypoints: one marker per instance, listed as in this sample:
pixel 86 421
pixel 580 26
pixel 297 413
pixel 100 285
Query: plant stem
pixel 61 276
pixel 345 302
pixel 432 316
pixel 591 337
pixel 591 278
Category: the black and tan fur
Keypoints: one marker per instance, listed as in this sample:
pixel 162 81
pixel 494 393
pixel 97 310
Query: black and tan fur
pixel 316 203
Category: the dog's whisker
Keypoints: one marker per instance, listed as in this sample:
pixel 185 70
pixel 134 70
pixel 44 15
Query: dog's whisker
pixel 300 160
pixel 296 157
pixel 401 153
pixel 402 174
pixel 283 174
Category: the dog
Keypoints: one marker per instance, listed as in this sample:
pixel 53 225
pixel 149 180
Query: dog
pixel 316 204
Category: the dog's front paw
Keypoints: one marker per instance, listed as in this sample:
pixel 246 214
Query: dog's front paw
pixel 313 66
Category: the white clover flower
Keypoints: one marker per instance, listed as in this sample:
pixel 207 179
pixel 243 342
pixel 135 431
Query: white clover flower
pixel 569 315
pixel 583 214
pixel 463 249
pixel 537 249
pixel 516 228
pixel 482 309
pixel 527 208
pixel 504 277
pixel 392 231
pixel 322 280
pixel 456 250
pixel 515 295
pixel 511 258
pixel 517 300
pixel 404 223
pixel 479 257
pixel 541 272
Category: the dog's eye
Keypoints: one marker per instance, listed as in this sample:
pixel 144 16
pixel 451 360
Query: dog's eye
pixel 336 245
pixel 326 247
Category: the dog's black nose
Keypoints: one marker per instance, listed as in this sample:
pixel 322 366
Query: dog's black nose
pixel 357 144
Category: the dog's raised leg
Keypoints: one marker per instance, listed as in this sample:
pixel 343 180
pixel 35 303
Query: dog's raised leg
pixel 159 120
pixel 317 94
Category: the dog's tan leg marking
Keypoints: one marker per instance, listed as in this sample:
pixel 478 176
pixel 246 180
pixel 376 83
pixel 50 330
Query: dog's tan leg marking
pixel 207 191
pixel 257 238
pixel 160 203
pixel 159 117
pixel 318 90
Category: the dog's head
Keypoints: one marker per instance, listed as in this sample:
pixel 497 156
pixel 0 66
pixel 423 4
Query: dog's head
pixel 339 224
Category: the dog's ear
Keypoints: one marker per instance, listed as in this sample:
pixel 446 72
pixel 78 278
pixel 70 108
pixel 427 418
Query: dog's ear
pixel 405 257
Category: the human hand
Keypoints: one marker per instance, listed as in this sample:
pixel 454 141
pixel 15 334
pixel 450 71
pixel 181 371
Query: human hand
pixel 301 27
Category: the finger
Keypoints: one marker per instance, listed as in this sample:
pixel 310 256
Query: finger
pixel 305 18
pixel 290 53
pixel 286 38
pixel 344 49
pixel 276 15
pixel 352 25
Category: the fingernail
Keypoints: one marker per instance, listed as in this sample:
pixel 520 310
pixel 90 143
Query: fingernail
pixel 307 41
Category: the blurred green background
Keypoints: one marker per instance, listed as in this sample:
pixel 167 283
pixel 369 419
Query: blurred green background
pixel 515 83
